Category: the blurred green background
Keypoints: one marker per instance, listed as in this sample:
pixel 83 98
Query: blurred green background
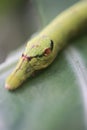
pixel 18 20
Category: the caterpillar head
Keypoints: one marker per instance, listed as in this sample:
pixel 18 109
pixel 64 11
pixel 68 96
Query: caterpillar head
pixel 39 52
pixel 37 55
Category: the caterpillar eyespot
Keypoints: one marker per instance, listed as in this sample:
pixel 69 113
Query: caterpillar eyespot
pixel 42 49
pixel 47 51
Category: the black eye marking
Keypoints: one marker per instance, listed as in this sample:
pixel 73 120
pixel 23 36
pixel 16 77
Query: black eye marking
pixel 52 44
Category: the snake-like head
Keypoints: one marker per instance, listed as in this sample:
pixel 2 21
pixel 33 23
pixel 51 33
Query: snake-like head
pixel 39 52
pixel 38 55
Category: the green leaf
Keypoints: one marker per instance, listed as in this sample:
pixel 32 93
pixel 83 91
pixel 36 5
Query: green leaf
pixel 56 98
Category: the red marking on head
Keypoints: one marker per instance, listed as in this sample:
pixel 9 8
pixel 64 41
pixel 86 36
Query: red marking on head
pixel 25 57
pixel 47 51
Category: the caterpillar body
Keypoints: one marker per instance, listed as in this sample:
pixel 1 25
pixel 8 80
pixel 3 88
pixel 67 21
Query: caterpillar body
pixel 42 49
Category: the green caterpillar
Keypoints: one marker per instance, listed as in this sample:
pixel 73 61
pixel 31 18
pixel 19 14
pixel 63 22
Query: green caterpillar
pixel 42 49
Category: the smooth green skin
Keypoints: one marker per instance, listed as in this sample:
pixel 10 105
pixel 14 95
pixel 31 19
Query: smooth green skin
pixel 65 26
